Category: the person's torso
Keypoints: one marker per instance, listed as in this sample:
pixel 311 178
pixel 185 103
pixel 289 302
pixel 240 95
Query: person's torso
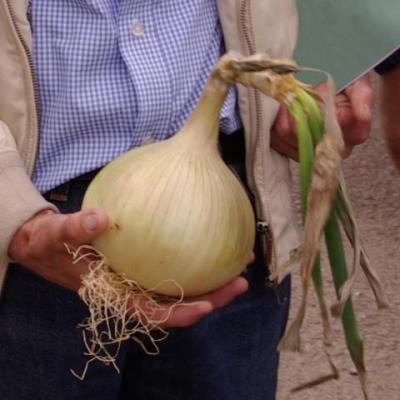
pixel 113 74
pixel 249 26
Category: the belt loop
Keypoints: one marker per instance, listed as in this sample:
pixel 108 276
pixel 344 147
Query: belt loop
pixel 60 193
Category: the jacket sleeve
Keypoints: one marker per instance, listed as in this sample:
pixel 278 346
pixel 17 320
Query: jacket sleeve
pixel 19 200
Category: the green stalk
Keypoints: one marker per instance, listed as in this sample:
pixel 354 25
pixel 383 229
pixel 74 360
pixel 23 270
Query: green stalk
pixel 306 158
pixel 315 126
pixel 277 80
pixel 307 129
pixel 337 260
pixel 314 115
pixel 336 253
pixel 310 133
pixel 306 150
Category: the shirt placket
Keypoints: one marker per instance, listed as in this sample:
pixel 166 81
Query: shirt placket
pixel 144 58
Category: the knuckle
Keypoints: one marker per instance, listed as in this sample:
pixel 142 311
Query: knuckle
pixel 71 228
pixel 284 133
pixel 23 244
pixel 35 246
pixel 67 227
pixel 66 235
pixel 368 92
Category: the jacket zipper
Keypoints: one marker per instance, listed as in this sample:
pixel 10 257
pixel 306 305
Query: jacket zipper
pixel 35 113
pixel 263 227
pixel 264 233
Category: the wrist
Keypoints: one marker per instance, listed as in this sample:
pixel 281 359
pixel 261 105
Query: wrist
pixel 24 233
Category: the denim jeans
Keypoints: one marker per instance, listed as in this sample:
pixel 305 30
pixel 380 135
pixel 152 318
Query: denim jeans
pixel 228 355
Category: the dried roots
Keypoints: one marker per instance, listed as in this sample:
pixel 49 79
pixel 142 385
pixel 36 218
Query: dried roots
pixel 119 310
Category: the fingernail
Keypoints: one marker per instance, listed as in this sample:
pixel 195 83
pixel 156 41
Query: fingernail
pixel 90 222
pixel 205 307
pixel 242 285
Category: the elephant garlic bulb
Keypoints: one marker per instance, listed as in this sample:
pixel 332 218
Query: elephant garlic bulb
pixel 176 212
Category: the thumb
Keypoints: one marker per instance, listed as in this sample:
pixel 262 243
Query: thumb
pixel 84 226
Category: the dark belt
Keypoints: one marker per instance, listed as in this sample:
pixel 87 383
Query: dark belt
pixel 60 193
pixel 232 147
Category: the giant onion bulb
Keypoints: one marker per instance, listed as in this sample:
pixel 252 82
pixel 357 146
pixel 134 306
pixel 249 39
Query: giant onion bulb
pixel 176 212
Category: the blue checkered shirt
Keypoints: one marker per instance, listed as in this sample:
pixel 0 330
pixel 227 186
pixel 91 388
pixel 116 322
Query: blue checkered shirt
pixel 114 73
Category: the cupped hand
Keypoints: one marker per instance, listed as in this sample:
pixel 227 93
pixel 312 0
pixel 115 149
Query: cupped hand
pixel 353 110
pixel 197 307
pixel 39 245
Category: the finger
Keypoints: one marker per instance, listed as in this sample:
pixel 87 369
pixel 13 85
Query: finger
pixel 191 312
pixel 361 97
pixel 284 127
pixel 354 106
pixel 284 148
pixel 321 88
pixel 168 314
pixel 196 308
pixel 224 295
pixel 343 109
pixel 187 314
pixel 82 227
pixel 354 103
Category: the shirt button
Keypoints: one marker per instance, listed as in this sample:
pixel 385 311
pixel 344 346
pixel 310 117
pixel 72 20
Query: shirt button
pixel 137 28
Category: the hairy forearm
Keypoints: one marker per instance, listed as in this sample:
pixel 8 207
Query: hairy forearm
pixel 391 113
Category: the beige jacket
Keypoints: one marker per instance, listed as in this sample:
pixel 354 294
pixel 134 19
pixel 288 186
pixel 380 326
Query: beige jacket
pixel 249 26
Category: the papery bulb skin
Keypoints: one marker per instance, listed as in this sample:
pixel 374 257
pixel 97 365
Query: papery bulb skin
pixel 174 214
pixel 176 211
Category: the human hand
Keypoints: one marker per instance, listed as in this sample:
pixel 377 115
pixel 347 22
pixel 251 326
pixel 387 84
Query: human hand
pixel 353 110
pixel 39 246
pixel 197 307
